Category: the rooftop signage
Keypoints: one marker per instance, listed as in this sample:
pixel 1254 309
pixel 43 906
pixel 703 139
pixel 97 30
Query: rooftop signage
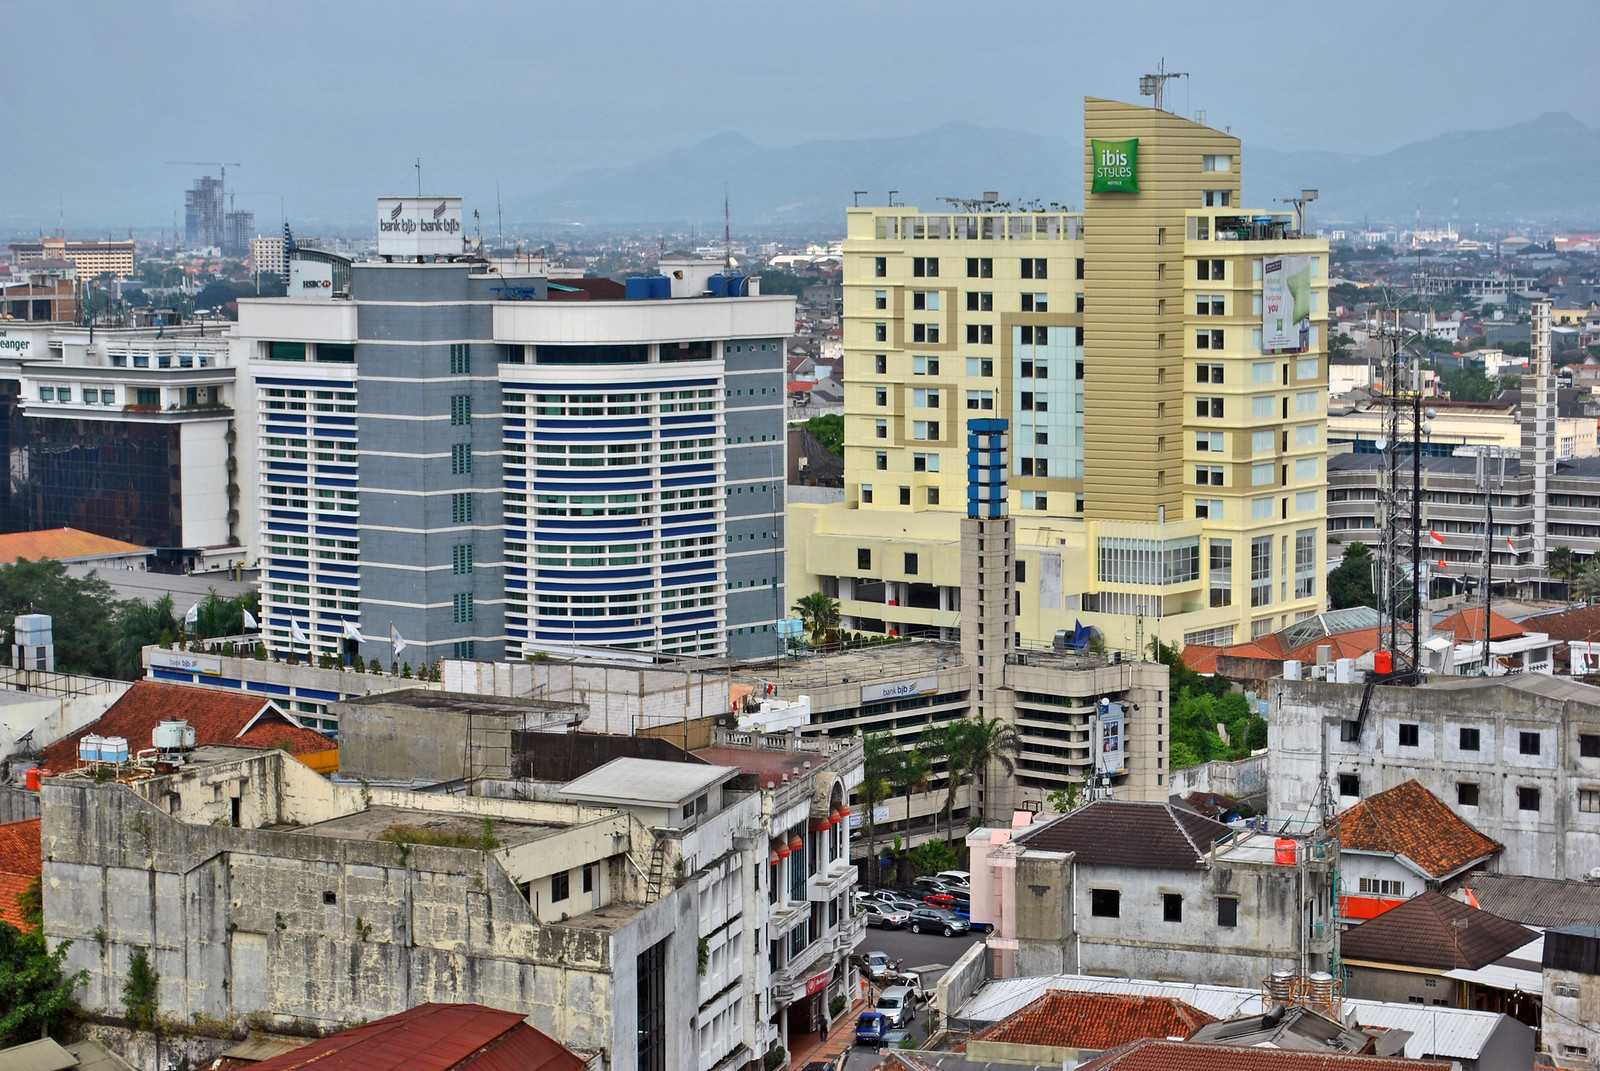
pixel 1116 166
pixel 419 226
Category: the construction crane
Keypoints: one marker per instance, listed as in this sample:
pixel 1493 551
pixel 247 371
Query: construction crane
pixel 223 168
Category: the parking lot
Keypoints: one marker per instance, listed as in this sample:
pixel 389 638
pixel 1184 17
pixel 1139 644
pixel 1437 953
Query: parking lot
pixel 916 949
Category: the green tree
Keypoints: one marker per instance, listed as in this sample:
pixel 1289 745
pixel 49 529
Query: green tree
pixel 877 757
pixel 1563 563
pixel 1467 384
pixel 1340 346
pixel 141 992
pixel 829 431
pixel 1586 584
pixel 141 624
pixel 820 615
pixel 83 613
pixel 909 775
pixel 38 997
pixel 990 742
pixel 930 857
pixel 1351 583
pixel 947 743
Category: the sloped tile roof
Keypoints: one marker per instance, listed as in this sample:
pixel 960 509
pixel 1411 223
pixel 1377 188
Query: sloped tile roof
pixel 1152 1055
pixel 434 1037
pixel 1434 931
pixel 1128 833
pixel 1064 1019
pixel 1409 820
pixel 1467 625
pixel 61 544
pixel 20 864
pixel 218 717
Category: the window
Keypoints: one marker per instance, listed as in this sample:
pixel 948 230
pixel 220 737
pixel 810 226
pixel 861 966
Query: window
pixel 1527 799
pixel 1408 734
pixel 1382 887
pixel 1105 903
pixel 925 267
pixel 461 607
pixel 924 398
pixel 880 364
pixel 880 332
pixel 980 334
pixel 880 267
pixel 1035 302
pixel 1209 269
pixel 560 887
pixel 460 409
pixel 461 559
pixel 1209 162
pixel 1469 739
pixel 1306 402
pixel 924 366
pixel 880 428
pixel 1466 794
pixel 1220 561
pixel 933 496
pixel 924 462
pixel 980 367
pixel 1589 800
pixel 979 300
pixel 980 399
pixel 911 565
pixel 1349 785
pixel 1171 907
pixel 863 558
pixel 1261 408
pixel 1209 304
pixel 47 394
pixel 1217 198
pixel 925 333
pixel 980 267
pixel 1208 407
pixel 880 396
pixel 927 300
pixel 1305 468
pixel 925 429
pixel 1208 442
pixel 1208 373
pixel 286 351
pixel 460 459
pixel 1349 731
pixel 1208 476
pixel 1589 745
pixel 880 299
pixel 1227 911
pixel 1261 475
pixel 461 508
pixel 905 496
pixel 460 359
pixel 866 493
pixel 1208 508
pixel 1528 743
pixel 1035 268
pixel 882 459
pixel 91 395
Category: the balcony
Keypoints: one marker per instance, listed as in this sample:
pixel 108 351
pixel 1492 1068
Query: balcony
pixel 789 981
pixel 852 931
pixel 831 882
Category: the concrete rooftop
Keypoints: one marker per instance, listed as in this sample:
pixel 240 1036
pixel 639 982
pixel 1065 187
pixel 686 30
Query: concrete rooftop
pixel 646 781
pixel 368 824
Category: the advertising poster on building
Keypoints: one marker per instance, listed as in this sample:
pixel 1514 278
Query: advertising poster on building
pixel 1108 740
pixel 419 226
pixel 1286 305
pixel 310 279
pixel 1116 166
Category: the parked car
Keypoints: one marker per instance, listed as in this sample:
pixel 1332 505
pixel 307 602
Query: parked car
pixel 895 900
pixel 870 1028
pixel 878 966
pixel 929 886
pixel 963 909
pixel 923 980
pixel 898 1003
pixel 942 900
pixel 935 920
pixel 958 878
pixel 890 918
pixel 819 1065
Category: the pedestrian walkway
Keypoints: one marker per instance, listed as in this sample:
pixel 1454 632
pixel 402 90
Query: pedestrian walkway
pixel 841 1040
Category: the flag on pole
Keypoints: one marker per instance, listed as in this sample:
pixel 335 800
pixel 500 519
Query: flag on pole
pixel 396 639
pixel 192 616
pixel 250 620
pixel 298 633
pixel 1510 544
pixel 1441 563
pixel 353 632
pixel 1438 540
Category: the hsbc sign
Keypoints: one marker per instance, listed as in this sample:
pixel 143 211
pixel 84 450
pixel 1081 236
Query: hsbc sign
pixel 419 226
pixel 310 279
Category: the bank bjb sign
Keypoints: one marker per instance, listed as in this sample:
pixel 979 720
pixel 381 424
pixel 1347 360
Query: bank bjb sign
pixel 419 226
pixel 1116 166
pixel 310 279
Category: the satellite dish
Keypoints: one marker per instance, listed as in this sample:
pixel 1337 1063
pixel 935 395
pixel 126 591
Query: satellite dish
pixel 1382 444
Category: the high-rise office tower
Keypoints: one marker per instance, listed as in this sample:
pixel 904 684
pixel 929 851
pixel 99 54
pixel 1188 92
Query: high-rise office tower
pixel 491 464
pixel 203 212
pixel 1160 357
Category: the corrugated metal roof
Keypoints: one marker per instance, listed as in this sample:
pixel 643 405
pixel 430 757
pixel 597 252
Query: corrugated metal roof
pixel 1456 1033
pixel 1501 977
pixel 647 781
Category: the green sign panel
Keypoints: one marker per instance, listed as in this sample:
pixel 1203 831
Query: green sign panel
pixel 1116 166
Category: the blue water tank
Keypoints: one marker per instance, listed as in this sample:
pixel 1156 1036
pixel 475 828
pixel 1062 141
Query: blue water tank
pixel 718 285
pixel 660 287
pixel 737 286
pixel 637 289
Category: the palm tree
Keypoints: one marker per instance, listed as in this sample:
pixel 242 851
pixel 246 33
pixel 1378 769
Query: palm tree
pixel 1562 564
pixel 947 743
pixel 139 625
pixel 878 758
pixel 909 774
pixel 1586 584
pixel 990 742
pixel 820 613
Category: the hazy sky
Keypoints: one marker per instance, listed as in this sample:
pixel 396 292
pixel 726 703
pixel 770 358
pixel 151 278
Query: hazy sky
pixel 326 104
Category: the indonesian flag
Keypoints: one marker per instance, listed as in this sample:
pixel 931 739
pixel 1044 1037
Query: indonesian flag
pixel 1438 540
pixel 1510 544
pixel 1441 563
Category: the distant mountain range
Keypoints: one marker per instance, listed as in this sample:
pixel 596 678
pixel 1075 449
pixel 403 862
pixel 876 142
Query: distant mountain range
pixel 1537 172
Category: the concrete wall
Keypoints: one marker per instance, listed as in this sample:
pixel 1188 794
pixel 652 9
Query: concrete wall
pixel 239 920
pixel 1400 986
pixel 1556 841
pixel 17 804
pixel 1240 779
pixel 50 717
pixel 1563 1024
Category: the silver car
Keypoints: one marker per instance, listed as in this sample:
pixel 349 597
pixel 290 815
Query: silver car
pixel 890 918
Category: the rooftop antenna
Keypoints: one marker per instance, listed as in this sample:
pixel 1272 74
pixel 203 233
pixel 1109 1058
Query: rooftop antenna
pixel 419 176
pixel 1154 85
pixel 500 219
pixel 727 234
pixel 1400 585
pixel 891 197
pixel 857 195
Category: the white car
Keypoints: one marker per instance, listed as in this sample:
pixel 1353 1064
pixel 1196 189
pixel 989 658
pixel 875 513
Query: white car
pixel 959 878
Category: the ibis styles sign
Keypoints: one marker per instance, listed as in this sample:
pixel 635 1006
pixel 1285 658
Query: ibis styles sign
pixel 1116 166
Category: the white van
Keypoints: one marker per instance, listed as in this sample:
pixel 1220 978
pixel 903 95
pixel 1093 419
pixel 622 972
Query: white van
pixel 898 1003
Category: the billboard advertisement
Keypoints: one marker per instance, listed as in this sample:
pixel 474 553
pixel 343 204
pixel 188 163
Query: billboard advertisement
pixel 419 226
pixel 876 693
pixel 1116 166
pixel 310 279
pixel 1286 304
pixel 1108 740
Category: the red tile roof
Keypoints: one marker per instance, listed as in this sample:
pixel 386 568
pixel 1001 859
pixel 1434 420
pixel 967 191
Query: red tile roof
pixel 20 865
pixel 1063 1019
pixel 1409 820
pixel 60 544
pixel 1153 1055
pixel 1578 623
pixel 218 717
pixel 1467 625
pixel 1434 931
pixel 434 1037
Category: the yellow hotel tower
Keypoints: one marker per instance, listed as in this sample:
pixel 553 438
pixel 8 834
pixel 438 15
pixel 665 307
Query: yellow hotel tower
pixel 1161 360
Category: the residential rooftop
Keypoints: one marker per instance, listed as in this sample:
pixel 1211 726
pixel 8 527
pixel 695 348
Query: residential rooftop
pixel 646 781
pixel 1128 833
pixel 1409 821
pixel 1065 1019
pixel 371 823
pixel 1433 931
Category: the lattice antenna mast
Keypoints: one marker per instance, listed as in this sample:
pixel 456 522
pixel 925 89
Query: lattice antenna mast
pixel 1154 85
pixel 1399 582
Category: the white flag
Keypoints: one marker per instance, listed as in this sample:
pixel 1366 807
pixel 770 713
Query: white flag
pixel 353 632
pixel 298 633
pixel 192 616
pixel 250 620
pixel 396 639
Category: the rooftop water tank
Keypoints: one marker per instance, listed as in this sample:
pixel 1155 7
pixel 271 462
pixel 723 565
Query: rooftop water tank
pixel 89 748
pixel 114 748
pixel 636 289
pixel 33 630
pixel 660 287
pixel 173 736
